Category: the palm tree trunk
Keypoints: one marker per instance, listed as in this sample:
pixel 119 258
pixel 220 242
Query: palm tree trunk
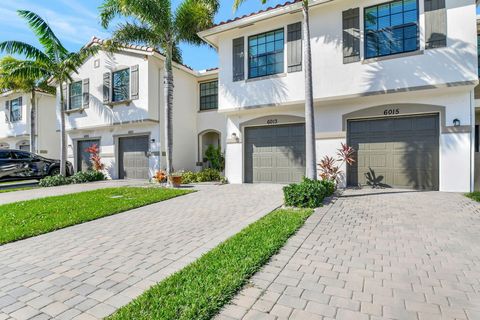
pixel 168 96
pixel 310 151
pixel 33 122
pixel 63 137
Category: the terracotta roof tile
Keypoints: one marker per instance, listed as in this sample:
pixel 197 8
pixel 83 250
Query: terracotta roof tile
pixel 286 4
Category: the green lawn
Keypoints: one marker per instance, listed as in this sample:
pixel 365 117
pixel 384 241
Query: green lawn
pixel 16 189
pixel 201 289
pixel 25 219
pixel 474 196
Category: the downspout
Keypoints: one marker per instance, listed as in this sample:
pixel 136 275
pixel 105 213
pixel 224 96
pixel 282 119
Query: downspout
pixel 472 141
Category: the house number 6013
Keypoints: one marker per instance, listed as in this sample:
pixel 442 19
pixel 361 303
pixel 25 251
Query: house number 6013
pixel 391 112
pixel 272 121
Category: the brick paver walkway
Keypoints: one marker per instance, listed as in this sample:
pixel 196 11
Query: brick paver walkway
pixel 374 255
pixel 89 270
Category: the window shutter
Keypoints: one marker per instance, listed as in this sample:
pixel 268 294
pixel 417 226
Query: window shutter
pixel 106 87
pixel 20 103
pixel 135 85
pixel 86 93
pixel 294 47
pixel 238 59
pixel 351 35
pixel 435 24
pixel 65 97
pixel 7 111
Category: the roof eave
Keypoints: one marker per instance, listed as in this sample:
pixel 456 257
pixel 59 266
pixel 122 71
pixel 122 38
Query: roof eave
pixel 250 20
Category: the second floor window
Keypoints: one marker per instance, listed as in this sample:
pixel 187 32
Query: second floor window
pixel 391 28
pixel 121 85
pixel 209 95
pixel 16 110
pixel 265 54
pixel 75 95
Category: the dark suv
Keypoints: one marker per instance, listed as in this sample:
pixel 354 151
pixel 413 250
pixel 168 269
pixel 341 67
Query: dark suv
pixel 22 165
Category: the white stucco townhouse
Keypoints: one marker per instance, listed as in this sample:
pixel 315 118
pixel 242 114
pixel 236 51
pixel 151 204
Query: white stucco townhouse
pixel 116 101
pixel 15 110
pixel 393 79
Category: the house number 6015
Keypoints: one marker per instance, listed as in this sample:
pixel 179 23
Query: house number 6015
pixel 391 112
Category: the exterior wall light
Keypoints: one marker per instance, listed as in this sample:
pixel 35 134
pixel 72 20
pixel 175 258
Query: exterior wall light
pixel 456 122
pixel 152 140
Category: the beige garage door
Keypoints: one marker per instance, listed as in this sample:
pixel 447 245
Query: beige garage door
pixel 275 154
pixel 395 152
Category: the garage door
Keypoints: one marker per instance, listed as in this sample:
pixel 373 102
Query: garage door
pixel 83 157
pixel 133 157
pixel 275 154
pixel 395 152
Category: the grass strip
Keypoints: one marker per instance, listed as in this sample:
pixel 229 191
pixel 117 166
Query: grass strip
pixel 20 220
pixel 474 196
pixel 16 189
pixel 202 288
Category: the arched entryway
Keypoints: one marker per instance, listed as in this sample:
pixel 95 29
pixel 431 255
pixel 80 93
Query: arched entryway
pixel 205 139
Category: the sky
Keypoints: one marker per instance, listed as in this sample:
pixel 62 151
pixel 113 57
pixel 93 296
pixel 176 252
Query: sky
pixel 76 21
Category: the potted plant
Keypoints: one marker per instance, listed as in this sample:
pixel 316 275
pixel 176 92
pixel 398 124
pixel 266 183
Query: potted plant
pixel 175 179
pixel 160 176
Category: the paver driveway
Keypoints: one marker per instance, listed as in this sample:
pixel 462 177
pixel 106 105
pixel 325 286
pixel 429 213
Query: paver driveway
pixel 374 255
pixel 89 270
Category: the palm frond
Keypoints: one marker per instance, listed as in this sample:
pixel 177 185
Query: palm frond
pixel 238 3
pixel 30 70
pixel 8 80
pixel 108 11
pixel 24 49
pixel 136 33
pixel 193 16
pixel 46 36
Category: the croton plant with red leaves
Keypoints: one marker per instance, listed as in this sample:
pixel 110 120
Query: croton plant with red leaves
pixel 330 167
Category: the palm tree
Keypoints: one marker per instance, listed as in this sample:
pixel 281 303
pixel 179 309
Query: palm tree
pixel 156 24
pixel 18 84
pixel 54 63
pixel 310 151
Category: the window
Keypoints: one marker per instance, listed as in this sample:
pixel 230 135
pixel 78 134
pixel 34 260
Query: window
pixel 5 155
pixel 22 155
pixel 391 28
pixel 121 85
pixel 265 54
pixel 209 95
pixel 75 95
pixel 15 110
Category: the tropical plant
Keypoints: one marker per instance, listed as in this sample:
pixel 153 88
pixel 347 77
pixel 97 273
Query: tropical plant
pixel 95 158
pixel 156 24
pixel 330 167
pixel 53 62
pixel 310 151
pixel 308 193
pixel 215 157
pixel 160 176
pixel 18 84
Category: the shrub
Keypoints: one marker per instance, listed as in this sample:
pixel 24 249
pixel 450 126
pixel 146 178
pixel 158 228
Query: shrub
pixel 53 181
pixel 215 158
pixel 206 175
pixel 329 187
pixel 87 176
pixel 308 193
pixel 79 177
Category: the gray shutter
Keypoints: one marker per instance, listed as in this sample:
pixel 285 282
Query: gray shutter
pixel 294 47
pixel 7 111
pixel 20 103
pixel 238 59
pixel 135 79
pixel 106 87
pixel 86 93
pixel 351 35
pixel 65 96
pixel 435 24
